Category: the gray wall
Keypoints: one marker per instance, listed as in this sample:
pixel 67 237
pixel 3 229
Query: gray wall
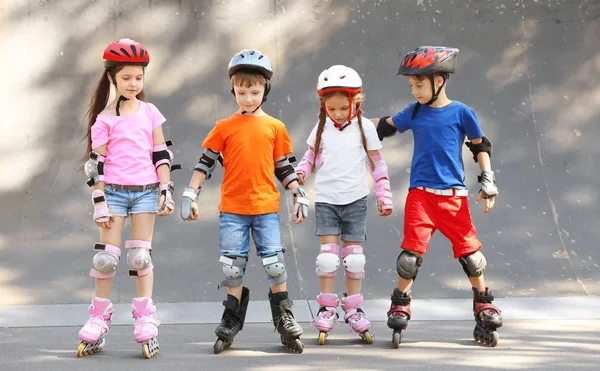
pixel 530 69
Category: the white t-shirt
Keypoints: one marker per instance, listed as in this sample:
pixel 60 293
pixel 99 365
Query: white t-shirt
pixel 341 179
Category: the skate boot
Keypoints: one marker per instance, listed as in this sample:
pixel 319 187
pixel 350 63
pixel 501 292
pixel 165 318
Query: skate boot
pixel 93 332
pixel 232 320
pixel 145 328
pixel 356 318
pixel 283 319
pixel 327 315
pixel 398 315
pixel 487 317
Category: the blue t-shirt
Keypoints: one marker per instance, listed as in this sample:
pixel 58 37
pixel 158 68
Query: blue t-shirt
pixel 439 134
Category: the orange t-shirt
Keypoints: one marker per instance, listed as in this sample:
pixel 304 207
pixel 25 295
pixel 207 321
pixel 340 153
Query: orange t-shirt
pixel 249 145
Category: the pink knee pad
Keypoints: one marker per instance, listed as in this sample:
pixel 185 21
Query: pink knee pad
pixel 354 261
pixel 139 257
pixel 105 261
pixel 328 300
pixel 328 260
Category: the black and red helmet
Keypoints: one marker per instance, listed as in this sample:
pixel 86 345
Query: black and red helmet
pixel 428 60
pixel 126 52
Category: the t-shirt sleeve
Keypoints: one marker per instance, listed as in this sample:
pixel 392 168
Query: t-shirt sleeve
pixel 214 140
pixel 312 138
pixel 470 123
pixel 283 143
pixel 402 119
pixel 100 131
pixel 373 142
pixel 156 117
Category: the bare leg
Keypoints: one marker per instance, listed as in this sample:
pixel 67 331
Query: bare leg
pixel 327 284
pixel 353 285
pixel 111 236
pixel 142 228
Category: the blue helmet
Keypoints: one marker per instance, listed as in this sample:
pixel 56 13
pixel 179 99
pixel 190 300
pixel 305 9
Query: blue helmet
pixel 250 59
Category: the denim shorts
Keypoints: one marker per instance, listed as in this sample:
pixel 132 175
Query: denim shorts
pixel 348 220
pixel 124 203
pixel 234 234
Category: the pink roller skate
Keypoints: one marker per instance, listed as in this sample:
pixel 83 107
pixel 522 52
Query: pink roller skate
pixel 356 318
pixel 93 332
pixel 328 313
pixel 145 329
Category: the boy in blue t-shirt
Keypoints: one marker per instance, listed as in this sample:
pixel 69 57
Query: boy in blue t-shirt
pixel 437 197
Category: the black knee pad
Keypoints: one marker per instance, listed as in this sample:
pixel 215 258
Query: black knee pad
pixel 473 264
pixel 408 265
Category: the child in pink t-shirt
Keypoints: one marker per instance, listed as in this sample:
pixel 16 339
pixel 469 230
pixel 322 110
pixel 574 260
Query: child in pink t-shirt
pixel 129 170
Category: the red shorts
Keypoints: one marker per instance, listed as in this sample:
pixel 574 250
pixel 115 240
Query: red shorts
pixel 426 212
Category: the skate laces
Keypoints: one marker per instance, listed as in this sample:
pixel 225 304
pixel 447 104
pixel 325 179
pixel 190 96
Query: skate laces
pixel 98 320
pixel 286 319
pixel 146 319
pixel 327 314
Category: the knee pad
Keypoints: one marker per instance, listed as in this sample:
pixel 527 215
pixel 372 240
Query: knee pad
pixel 473 264
pixel 354 261
pixel 105 261
pixel 275 267
pixel 408 265
pixel 139 257
pixel 234 269
pixel 328 260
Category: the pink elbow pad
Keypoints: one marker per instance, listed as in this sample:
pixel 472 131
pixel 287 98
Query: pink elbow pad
pixel 381 169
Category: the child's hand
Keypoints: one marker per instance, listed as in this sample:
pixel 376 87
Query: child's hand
pixel 106 223
pixel 301 178
pixel 165 203
pixel 299 216
pixel 489 202
pixel 382 211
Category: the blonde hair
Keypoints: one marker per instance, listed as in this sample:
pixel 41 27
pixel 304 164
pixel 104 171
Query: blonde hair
pixel 356 100
pixel 246 79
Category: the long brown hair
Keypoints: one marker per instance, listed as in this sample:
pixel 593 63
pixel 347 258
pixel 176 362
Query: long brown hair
pixel 356 99
pixel 99 101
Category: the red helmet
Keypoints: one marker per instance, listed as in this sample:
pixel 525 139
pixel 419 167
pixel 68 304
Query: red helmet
pixel 428 60
pixel 126 51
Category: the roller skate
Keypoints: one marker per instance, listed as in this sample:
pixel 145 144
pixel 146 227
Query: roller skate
pixel 283 319
pixel 232 320
pixel 327 315
pixel 145 328
pixel 399 315
pixel 93 332
pixel 356 318
pixel 487 317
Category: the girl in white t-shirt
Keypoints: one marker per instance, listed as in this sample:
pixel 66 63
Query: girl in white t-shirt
pixel 347 144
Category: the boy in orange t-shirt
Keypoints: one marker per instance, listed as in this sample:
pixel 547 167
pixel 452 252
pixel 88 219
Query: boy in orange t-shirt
pixel 251 146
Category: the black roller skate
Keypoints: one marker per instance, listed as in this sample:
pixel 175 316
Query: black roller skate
pixel 398 315
pixel 283 319
pixel 487 317
pixel 232 321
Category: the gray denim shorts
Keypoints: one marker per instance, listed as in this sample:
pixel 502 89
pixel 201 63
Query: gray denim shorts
pixel 348 220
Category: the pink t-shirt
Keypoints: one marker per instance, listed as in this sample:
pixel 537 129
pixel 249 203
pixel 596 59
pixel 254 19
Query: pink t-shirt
pixel 129 145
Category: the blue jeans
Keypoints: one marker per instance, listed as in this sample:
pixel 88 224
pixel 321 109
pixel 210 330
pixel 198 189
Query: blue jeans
pixel 124 203
pixel 234 234
pixel 348 220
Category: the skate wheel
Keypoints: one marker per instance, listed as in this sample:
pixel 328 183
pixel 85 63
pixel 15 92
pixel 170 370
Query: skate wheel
pixel 322 336
pixel 396 339
pixel 298 345
pixel 219 346
pixel 145 351
pixel 80 349
pixel 495 339
pixel 368 337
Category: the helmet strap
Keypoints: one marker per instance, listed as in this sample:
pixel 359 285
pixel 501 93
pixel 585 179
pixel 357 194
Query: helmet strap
pixel 439 90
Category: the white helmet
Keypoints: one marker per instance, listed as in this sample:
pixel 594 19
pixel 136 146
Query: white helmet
pixel 339 78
